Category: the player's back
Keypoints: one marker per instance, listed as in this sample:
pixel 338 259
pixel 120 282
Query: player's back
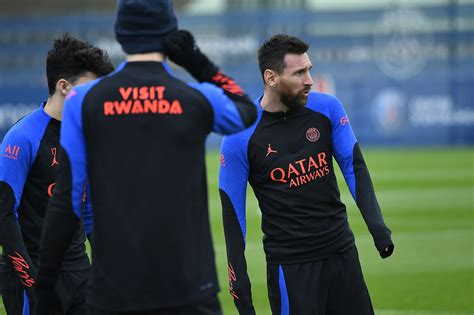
pixel 145 133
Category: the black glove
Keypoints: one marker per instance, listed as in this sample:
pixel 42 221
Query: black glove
pixel 182 50
pixel 386 252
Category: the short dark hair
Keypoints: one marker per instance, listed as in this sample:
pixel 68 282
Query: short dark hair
pixel 70 58
pixel 271 55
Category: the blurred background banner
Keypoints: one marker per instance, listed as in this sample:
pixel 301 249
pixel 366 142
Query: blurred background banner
pixel 403 70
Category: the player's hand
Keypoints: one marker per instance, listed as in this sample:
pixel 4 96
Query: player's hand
pixel 387 251
pixel 181 48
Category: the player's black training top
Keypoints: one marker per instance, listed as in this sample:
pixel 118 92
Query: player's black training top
pixel 28 169
pixel 139 136
pixel 288 160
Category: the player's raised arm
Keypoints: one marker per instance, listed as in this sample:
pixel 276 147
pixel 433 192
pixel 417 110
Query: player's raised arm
pixel 15 163
pixel 233 110
pixel 349 157
pixel 233 176
pixel 66 206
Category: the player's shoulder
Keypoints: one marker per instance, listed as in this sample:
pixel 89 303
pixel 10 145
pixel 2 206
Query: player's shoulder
pixel 323 103
pixel 322 97
pixel 29 127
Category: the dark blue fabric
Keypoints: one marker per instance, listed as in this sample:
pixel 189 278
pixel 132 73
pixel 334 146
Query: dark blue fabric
pixel 227 118
pixel 343 138
pixel 285 305
pixel 18 151
pixel 167 68
pixel 88 212
pixel 142 26
pixel 234 170
pixel 26 304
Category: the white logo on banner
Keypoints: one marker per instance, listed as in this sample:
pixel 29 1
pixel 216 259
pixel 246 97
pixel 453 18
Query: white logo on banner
pixel 402 42
pixel 438 110
pixel 389 110
pixel 392 111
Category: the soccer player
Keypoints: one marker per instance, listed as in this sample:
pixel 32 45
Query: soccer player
pixel 29 164
pixel 287 157
pixel 139 136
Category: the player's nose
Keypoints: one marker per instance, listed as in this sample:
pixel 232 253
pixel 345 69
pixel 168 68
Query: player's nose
pixel 308 80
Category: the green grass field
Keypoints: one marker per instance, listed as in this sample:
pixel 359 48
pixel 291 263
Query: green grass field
pixel 427 197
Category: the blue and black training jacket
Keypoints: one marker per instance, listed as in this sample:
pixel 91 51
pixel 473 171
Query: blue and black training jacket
pixel 287 158
pixel 29 165
pixel 138 135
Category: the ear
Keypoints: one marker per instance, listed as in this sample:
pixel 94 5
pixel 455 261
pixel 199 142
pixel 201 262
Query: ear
pixel 63 86
pixel 270 77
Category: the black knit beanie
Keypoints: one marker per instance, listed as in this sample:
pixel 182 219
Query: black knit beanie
pixel 142 25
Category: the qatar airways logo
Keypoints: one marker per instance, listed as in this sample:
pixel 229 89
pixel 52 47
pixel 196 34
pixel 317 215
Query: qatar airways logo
pixel 301 172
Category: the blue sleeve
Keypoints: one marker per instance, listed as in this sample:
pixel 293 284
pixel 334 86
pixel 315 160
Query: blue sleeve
pixel 343 138
pixel 18 152
pixel 343 142
pixel 88 211
pixel 233 177
pixel 15 163
pixel 227 119
pixel 73 144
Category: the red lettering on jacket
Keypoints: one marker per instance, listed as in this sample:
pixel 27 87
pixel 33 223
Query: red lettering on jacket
pixel 142 100
pixel 50 189
pixel 22 268
pixel 142 92
pixel 227 84
pixel 11 152
pixel 344 120
pixel 53 153
pixel 301 172
pixel 232 279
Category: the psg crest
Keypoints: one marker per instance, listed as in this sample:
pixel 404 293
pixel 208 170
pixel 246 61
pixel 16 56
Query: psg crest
pixel 312 134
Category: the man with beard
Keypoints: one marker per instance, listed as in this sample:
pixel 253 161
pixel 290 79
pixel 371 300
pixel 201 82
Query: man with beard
pixel 287 157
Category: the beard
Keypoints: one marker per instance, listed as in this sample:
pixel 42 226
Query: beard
pixel 293 100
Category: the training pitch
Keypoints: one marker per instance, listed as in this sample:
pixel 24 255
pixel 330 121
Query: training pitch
pixel 427 198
